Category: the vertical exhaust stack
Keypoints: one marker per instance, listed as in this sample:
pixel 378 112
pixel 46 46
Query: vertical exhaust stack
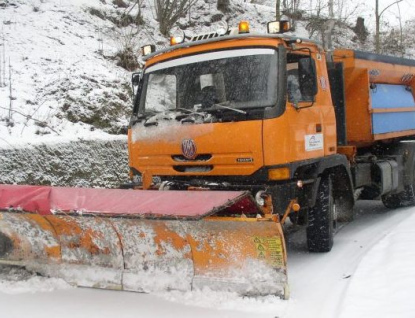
pixel 143 241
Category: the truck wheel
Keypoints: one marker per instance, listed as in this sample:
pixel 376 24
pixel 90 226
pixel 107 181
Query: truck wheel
pixel 322 219
pixel 404 198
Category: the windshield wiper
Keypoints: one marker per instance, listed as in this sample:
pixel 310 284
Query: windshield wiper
pixel 155 117
pixel 189 112
pixel 139 117
pixel 221 105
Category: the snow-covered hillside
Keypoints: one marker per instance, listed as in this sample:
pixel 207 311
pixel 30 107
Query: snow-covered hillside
pixel 61 84
pixel 59 61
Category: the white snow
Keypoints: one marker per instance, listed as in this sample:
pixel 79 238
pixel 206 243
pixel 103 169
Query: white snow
pixel 226 301
pixel 55 65
pixel 386 275
pixel 34 284
pixel 18 281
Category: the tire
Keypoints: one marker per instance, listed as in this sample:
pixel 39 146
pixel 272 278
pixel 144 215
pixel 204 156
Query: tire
pixel 398 200
pixel 322 219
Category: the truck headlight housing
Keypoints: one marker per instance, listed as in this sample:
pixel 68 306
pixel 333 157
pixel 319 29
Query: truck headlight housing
pixel 222 28
pixel 276 27
pixel 177 36
pixel 148 49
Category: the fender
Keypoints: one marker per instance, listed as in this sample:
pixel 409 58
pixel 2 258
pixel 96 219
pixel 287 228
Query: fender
pixel 339 167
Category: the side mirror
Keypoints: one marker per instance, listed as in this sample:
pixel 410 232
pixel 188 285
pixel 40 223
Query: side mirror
pixel 307 76
pixel 136 78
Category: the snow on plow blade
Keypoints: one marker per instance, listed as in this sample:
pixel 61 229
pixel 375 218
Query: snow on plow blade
pixel 143 241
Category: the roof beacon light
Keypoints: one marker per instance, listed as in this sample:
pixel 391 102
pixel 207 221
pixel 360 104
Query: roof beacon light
pixel 148 49
pixel 177 36
pixel 243 27
pixel 222 28
pixel 278 27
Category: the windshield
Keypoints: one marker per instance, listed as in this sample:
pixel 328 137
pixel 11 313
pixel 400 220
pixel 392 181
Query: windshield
pixel 243 78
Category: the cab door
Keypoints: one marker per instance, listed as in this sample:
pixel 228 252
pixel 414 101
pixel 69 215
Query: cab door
pixel 306 122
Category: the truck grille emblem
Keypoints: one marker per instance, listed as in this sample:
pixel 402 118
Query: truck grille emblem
pixel 189 149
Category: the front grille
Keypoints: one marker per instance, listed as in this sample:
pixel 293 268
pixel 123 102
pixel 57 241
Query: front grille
pixel 193 169
pixel 181 158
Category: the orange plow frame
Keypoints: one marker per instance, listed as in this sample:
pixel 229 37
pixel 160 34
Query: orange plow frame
pixel 139 243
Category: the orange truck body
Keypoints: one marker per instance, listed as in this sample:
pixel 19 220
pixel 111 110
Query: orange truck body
pixel 359 74
pixel 322 150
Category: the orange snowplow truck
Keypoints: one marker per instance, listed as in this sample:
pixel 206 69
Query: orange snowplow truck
pixel 277 116
pixel 245 131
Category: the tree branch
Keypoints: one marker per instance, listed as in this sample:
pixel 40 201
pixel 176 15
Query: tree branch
pixel 34 119
pixel 381 12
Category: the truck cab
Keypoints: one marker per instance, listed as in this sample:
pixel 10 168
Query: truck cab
pixel 236 111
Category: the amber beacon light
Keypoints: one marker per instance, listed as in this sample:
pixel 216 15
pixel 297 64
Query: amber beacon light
pixel 243 27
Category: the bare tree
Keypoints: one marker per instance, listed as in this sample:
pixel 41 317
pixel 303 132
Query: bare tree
pixel 277 10
pixel 127 42
pixel 317 20
pixel 4 62
pixel 378 15
pixel 329 26
pixel 223 5
pixel 360 29
pixel 138 4
pixel 169 11
pixel 324 15
pixel 10 119
pixel 289 6
pixel 400 31
pixel 295 5
pixel 1 57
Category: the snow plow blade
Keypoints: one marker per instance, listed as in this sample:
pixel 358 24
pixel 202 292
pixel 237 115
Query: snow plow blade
pixel 145 241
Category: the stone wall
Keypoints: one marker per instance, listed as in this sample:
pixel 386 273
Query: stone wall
pixel 87 163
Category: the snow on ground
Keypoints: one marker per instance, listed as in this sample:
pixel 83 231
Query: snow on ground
pixel 18 281
pixel 369 273
pixel 385 276
pixel 59 77
pixel 225 301
pixel 332 285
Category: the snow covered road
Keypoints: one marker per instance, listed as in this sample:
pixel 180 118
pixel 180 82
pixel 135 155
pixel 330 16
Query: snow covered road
pixel 369 273
pixel 320 282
